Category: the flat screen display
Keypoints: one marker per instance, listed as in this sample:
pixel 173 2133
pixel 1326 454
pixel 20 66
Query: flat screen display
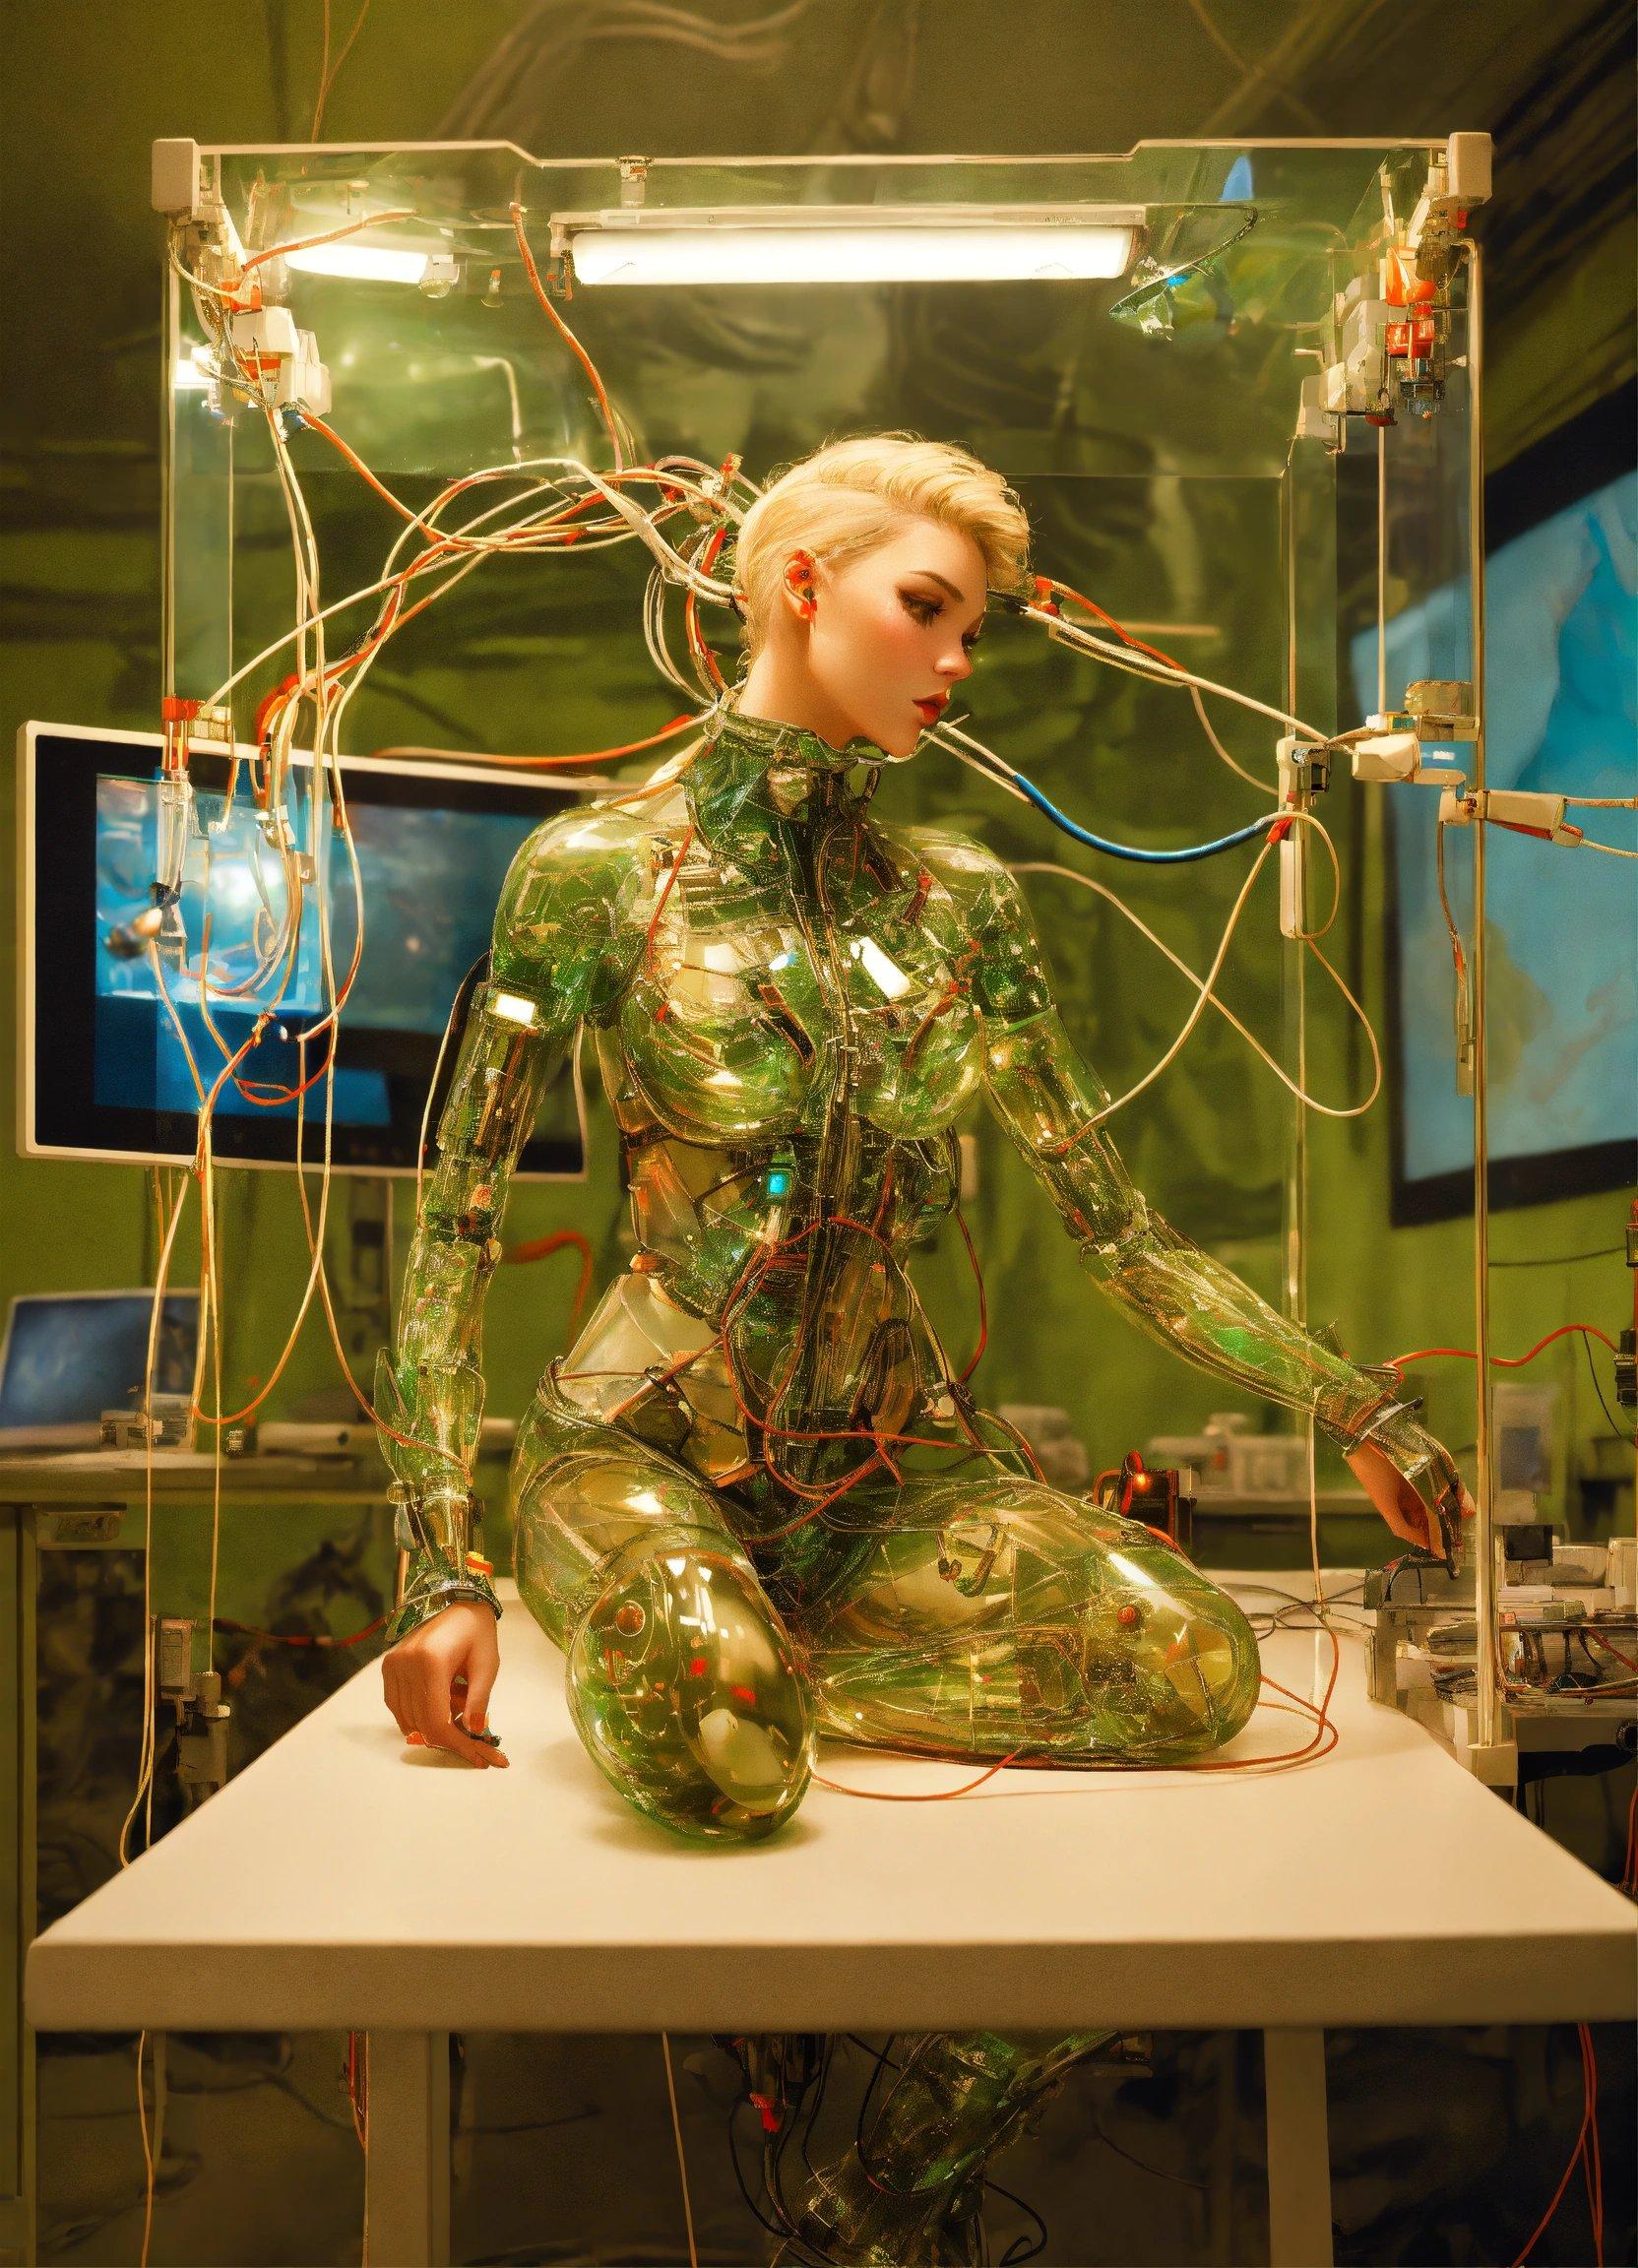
pixel 1562 930
pixel 67 1357
pixel 109 1071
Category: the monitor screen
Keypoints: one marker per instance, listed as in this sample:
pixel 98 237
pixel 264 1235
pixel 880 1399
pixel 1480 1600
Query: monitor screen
pixel 107 1071
pixel 70 1355
pixel 1562 928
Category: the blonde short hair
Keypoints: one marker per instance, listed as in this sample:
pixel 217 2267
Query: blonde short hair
pixel 852 496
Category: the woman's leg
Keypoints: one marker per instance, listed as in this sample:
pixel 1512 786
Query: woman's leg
pixel 911 2190
pixel 998 1617
pixel 682 1682
pixel 992 1618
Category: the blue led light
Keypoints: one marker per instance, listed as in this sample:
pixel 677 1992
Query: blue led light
pixel 778 1184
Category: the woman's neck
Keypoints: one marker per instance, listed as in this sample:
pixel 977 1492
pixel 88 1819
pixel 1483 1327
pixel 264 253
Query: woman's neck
pixel 776 689
pixel 767 776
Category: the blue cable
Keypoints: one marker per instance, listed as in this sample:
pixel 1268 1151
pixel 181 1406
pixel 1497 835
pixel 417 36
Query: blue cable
pixel 1185 857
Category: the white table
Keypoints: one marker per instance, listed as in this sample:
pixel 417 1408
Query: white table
pixel 344 1881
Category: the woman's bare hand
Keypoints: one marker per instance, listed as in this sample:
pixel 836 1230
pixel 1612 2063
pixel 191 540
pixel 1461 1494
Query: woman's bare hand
pixel 448 1663
pixel 1400 1504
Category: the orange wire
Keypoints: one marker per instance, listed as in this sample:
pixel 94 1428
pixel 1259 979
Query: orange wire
pixel 330 236
pixel 596 755
pixel 540 1247
pixel 939 1795
pixel 584 360
pixel 300 1637
pixel 665 892
pixel 1503 1361
pixel 1594 2170
pixel 1586 2085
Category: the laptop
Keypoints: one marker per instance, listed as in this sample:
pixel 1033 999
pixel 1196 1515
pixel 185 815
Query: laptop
pixel 69 1355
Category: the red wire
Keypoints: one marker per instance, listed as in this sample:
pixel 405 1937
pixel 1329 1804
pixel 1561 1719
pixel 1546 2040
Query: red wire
pixel 539 1248
pixel 1588 2082
pixel 1625 1660
pixel 1504 1362
pixel 940 1796
pixel 1594 2171
pixel 300 1637
pixel 978 1353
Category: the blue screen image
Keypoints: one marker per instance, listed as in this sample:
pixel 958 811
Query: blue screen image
pixel 1562 930
pixel 68 1358
pixel 430 880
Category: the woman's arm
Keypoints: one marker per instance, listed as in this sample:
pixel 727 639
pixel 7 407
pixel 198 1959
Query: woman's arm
pixel 559 955
pixel 1050 1101
pixel 429 1391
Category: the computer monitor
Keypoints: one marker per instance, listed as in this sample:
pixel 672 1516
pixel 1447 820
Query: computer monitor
pixel 103 1074
pixel 1562 618
pixel 69 1355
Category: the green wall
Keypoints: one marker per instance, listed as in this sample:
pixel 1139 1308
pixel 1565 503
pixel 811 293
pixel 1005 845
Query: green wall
pixel 81 276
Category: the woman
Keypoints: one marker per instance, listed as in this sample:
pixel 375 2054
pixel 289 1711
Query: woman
pixel 756 1499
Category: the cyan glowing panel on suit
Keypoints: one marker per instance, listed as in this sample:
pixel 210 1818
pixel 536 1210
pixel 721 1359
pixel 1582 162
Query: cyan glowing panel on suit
pixel 1564 923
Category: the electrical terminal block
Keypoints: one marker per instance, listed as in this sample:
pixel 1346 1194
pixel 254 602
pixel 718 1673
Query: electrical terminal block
pixel 1390 749
pixel 174 1658
pixel 1391 327
pixel 1317 417
pixel 1304 773
pixel 178 184
pixel 282 360
pixel 1521 813
pixel 213 720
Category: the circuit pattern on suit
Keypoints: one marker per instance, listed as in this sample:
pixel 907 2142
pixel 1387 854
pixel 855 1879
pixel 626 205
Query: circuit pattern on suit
pixel 757 1499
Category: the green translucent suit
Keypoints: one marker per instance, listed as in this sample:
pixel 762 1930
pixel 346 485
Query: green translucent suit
pixel 755 1502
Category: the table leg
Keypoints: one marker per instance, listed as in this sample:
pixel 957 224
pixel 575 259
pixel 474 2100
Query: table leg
pixel 1298 2150
pixel 407 2151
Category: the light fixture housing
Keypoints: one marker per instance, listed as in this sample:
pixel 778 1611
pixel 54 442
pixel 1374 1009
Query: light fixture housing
pixel 850 244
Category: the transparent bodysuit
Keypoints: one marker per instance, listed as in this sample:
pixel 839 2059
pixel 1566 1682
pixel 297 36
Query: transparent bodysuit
pixel 756 1502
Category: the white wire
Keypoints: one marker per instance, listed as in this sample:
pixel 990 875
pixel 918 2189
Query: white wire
pixel 682 2159
pixel 1199 1009
pixel 1170 673
pixel 1202 986
pixel 1262 785
pixel 484 546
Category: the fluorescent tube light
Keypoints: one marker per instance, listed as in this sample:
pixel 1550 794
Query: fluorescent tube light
pixel 855 244
pixel 364 263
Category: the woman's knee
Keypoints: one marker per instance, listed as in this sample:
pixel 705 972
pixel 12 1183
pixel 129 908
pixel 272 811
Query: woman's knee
pixel 1165 1664
pixel 686 1690
pixel 1017 1618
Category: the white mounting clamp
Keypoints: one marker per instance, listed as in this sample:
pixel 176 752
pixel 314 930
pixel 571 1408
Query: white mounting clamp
pixel 1520 812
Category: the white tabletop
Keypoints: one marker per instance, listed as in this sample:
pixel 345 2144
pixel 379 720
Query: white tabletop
pixel 343 1880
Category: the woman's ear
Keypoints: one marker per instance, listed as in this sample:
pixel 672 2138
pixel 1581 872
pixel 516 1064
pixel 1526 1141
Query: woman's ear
pixel 800 584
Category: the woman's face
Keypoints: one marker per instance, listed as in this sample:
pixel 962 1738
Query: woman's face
pixel 891 634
